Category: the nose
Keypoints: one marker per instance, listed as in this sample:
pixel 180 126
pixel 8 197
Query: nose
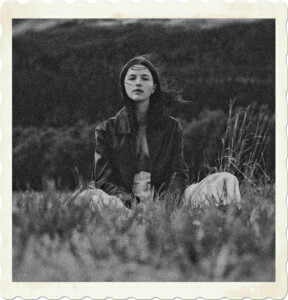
pixel 138 82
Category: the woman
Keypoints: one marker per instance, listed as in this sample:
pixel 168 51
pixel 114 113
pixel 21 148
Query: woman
pixel 139 152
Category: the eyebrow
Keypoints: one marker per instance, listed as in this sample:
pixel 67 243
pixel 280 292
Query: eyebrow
pixel 143 75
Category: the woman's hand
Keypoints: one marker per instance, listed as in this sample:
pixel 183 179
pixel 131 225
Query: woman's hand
pixel 126 198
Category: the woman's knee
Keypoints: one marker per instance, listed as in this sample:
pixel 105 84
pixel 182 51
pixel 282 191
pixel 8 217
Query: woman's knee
pixel 231 180
pixel 85 197
pixel 222 187
pixel 224 176
pixel 229 176
pixel 231 185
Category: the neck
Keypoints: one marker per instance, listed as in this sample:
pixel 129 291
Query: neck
pixel 141 109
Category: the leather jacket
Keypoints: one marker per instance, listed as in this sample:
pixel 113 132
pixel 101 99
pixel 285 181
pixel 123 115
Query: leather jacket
pixel 115 156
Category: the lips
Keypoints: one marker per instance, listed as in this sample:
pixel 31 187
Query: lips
pixel 138 91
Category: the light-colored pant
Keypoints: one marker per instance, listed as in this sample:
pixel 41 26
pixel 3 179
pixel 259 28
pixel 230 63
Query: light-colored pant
pixel 98 199
pixel 216 189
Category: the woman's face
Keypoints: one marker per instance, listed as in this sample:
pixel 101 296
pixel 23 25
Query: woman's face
pixel 139 83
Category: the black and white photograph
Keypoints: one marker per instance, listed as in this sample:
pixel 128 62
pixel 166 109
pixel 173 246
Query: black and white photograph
pixel 165 131
pixel 143 150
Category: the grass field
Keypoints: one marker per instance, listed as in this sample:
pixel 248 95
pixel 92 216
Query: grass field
pixel 157 242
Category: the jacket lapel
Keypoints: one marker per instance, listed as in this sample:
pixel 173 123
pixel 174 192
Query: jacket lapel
pixel 124 130
pixel 122 122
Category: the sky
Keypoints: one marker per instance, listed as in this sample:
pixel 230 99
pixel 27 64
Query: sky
pixel 23 26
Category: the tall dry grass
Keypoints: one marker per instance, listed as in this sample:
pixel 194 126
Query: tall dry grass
pixel 244 144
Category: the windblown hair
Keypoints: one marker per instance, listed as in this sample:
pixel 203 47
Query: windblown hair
pixel 155 111
pixel 167 97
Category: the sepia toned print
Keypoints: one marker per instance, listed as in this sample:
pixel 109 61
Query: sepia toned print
pixel 145 155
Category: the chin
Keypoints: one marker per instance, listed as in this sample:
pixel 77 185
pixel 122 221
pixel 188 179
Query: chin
pixel 138 99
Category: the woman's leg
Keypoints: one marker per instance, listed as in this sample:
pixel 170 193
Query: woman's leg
pixel 216 189
pixel 98 199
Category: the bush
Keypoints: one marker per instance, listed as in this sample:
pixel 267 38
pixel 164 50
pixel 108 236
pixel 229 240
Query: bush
pixel 241 143
pixel 52 154
pixel 245 142
pixel 202 142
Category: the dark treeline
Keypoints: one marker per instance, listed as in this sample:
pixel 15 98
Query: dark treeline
pixel 65 80
pixel 70 72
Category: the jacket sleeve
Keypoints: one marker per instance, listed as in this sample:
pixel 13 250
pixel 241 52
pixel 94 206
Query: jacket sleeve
pixel 105 175
pixel 179 178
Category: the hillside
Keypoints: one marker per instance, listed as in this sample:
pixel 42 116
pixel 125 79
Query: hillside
pixel 66 71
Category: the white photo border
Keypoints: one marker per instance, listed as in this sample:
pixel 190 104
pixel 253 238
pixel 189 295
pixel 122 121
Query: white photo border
pixel 144 290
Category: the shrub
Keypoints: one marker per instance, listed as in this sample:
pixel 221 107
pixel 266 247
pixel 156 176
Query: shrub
pixel 241 143
pixel 244 143
pixel 41 155
pixel 202 141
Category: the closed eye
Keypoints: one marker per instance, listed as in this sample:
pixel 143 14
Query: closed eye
pixel 143 77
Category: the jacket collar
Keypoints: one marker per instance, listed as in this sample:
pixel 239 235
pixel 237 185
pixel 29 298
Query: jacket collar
pixel 122 121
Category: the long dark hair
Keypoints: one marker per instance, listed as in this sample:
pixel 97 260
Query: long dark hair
pixel 155 111
pixel 166 98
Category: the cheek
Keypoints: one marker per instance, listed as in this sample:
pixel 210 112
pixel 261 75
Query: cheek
pixel 151 89
pixel 128 89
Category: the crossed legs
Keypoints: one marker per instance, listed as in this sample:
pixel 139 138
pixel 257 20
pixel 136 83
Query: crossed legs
pixel 216 189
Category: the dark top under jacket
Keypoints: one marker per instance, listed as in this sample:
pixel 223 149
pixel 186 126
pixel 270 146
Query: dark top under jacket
pixel 115 156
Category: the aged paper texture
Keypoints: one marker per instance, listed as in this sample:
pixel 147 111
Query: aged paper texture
pixel 212 12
